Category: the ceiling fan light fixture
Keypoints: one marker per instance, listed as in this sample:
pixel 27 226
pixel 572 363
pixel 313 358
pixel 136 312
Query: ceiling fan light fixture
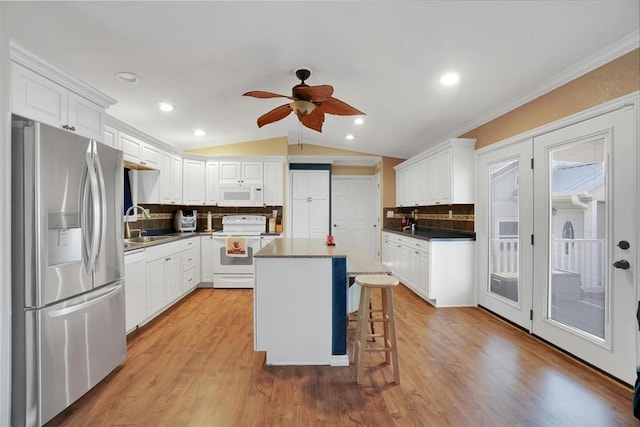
pixel 302 107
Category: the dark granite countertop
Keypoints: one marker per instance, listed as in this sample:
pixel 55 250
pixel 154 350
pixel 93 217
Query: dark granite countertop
pixel 430 233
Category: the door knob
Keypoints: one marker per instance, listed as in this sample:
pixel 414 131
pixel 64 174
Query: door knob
pixel 623 244
pixel 623 264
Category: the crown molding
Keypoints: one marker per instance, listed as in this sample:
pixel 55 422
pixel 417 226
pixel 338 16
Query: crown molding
pixel 21 55
pixel 600 58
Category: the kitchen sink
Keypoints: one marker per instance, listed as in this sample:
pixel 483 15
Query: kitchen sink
pixel 145 239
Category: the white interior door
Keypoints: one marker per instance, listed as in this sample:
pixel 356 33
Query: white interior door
pixel 504 224
pixel 586 207
pixel 353 212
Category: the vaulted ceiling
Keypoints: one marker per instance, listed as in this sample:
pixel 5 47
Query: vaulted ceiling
pixel 384 58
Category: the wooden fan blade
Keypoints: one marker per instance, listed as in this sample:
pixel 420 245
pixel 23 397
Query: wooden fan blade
pixel 339 108
pixel 263 94
pixel 315 93
pixel 313 120
pixel 274 115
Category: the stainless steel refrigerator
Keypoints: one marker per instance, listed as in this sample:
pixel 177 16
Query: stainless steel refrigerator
pixel 67 268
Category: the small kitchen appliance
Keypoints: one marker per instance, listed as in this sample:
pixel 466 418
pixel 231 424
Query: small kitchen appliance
pixel 185 221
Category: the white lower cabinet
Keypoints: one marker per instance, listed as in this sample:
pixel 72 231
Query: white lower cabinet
pixel 158 276
pixel 265 240
pixel 206 261
pixel 156 292
pixel 190 264
pixel 173 277
pixel 135 282
pixel 440 271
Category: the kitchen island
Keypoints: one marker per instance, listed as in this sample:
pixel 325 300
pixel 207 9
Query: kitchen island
pixel 300 300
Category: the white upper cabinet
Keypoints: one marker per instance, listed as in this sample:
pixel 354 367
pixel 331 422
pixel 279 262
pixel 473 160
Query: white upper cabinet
pixel 411 184
pixel 44 93
pixel 211 177
pixel 170 178
pixel 139 152
pixel 112 137
pixel 273 183
pixel 238 172
pixel 193 182
pixel 443 175
pixel 38 98
pixel 450 174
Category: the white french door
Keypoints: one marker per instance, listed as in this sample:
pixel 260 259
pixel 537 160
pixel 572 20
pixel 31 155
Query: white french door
pixel 585 221
pixel 504 224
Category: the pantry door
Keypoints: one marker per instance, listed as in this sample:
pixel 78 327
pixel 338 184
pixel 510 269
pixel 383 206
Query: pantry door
pixel 353 212
pixel 504 224
pixel 585 222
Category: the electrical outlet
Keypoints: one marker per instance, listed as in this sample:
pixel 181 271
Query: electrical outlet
pixel 450 213
pixel 389 214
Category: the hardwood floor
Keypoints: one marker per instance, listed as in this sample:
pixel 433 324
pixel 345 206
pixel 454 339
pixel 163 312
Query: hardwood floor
pixel 195 366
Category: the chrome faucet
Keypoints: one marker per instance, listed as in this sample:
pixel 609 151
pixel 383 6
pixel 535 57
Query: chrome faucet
pixel 127 230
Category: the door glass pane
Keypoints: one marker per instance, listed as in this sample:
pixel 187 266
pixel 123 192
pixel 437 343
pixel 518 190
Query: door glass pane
pixel 577 287
pixel 504 217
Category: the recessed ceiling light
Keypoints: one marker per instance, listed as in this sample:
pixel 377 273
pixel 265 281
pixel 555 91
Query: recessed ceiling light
pixel 350 137
pixel 164 106
pixel 450 79
pixel 359 121
pixel 199 132
pixel 127 77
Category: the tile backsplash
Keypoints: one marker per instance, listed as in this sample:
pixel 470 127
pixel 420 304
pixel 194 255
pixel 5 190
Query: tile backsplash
pixel 162 215
pixel 461 218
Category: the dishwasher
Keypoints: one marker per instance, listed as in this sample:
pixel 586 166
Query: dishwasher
pixel 135 285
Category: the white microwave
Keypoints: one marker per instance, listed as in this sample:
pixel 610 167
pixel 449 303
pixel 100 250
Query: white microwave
pixel 235 195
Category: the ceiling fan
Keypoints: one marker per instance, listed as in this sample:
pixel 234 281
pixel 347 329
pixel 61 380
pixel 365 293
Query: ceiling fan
pixel 310 103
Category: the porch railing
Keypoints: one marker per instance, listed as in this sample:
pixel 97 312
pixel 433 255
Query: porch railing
pixel 582 256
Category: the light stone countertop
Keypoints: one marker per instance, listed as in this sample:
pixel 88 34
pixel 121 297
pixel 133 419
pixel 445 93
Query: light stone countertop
pixel 358 262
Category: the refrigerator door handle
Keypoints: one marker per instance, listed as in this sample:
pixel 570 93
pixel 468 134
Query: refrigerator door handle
pixel 84 305
pixel 95 210
pixel 84 210
pixel 102 212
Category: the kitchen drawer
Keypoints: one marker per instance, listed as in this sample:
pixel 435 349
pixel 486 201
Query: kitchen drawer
pixel 188 243
pixel 188 280
pixel 188 259
pixel 419 245
pixel 163 250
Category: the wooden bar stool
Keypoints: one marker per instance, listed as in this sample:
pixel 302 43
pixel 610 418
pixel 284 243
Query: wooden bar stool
pixel 386 284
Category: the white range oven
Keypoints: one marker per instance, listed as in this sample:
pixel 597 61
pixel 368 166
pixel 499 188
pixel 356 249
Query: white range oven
pixel 233 250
